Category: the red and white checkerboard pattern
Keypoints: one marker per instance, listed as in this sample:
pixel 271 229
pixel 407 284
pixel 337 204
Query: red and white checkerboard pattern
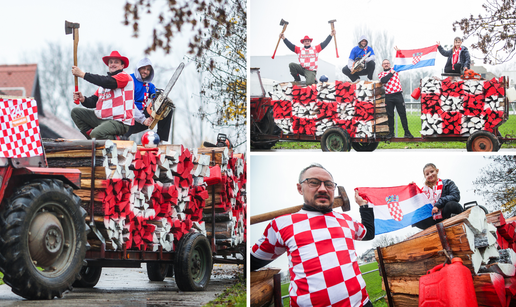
pixel 395 211
pixel 117 104
pixel 322 259
pixel 394 84
pixel 19 129
pixel 308 58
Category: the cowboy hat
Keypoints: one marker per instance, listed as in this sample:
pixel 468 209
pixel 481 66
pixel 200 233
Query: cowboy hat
pixel 305 38
pixel 116 55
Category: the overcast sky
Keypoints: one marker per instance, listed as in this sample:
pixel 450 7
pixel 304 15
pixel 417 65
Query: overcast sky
pixel 413 24
pixel 273 179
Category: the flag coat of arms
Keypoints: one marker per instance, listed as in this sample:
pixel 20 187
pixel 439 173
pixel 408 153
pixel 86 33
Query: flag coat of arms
pixel 396 207
pixel 415 58
pixel 19 129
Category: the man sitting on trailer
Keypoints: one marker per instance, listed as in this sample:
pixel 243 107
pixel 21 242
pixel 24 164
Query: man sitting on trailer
pixel 143 90
pixel 308 57
pixel 393 98
pixel 320 245
pixel 113 101
pixel 357 53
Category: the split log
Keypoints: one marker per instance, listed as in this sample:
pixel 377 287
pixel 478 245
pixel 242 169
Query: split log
pixel 65 145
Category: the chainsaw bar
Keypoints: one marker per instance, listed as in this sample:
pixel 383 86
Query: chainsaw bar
pixel 173 80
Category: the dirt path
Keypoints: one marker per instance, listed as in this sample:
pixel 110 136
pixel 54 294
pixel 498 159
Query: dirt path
pixel 131 287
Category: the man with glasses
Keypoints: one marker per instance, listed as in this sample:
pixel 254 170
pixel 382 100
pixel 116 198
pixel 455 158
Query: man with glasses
pixel 320 245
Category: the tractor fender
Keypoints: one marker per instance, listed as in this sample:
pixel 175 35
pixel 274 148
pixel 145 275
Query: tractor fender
pixel 68 176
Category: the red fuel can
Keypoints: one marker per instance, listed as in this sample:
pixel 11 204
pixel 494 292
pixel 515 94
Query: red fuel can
pixel 447 285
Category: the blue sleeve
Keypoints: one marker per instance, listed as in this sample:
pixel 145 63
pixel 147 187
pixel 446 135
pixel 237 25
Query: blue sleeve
pixel 352 54
pixel 152 89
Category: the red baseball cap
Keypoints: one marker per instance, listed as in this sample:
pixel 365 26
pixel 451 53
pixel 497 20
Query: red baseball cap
pixel 116 55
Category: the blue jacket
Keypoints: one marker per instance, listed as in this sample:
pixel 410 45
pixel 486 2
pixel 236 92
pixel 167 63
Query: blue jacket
pixel 139 85
pixel 450 193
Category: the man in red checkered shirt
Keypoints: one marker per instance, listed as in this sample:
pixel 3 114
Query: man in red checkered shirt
pixel 393 98
pixel 319 243
pixel 113 101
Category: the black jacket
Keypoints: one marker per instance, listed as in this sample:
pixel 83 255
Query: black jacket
pixel 464 59
pixel 450 193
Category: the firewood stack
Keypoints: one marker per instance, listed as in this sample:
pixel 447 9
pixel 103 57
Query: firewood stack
pixel 461 107
pixel 479 240
pixel 147 198
pixel 227 189
pixel 358 108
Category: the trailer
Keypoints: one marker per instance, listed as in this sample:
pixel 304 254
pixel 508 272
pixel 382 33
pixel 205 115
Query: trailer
pixel 75 207
pixel 345 115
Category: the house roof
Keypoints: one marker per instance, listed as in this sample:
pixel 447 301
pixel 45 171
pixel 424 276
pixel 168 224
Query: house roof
pixel 18 76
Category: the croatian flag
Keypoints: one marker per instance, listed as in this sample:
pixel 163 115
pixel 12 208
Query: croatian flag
pixel 415 58
pixel 396 207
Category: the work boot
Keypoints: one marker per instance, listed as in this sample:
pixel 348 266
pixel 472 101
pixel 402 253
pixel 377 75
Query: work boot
pixel 408 135
pixel 297 78
pixel 390 135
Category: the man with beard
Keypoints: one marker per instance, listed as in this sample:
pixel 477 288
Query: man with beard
pixel 320 245
pixel 357 53
pixel 393 98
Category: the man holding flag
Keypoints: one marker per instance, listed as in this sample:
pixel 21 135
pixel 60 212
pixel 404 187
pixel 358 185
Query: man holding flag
pixel 393 98
pixel 320 245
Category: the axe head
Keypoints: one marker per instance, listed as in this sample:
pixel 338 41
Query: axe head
pixel 345 200
pixel 69 26
pixel 332 21
pixel 283 22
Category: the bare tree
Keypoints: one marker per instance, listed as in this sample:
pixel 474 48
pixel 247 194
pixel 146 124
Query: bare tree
pixel 495 31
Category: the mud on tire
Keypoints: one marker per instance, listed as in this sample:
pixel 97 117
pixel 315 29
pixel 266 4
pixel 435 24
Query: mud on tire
pixel 43 239
pixel 193 262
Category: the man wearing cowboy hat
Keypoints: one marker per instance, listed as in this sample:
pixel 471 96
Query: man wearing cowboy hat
pixel 113 101
pixel 308 56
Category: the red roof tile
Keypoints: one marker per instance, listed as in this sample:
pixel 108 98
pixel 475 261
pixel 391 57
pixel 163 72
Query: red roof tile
pixel 22 75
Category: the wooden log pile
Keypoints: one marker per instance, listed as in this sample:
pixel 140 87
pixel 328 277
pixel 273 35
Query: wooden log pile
pixel 227 196
pixel 147 198
pixel 358 108
pixel 464 106
pixel 478 239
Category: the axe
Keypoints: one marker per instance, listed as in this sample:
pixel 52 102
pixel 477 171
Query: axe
pixel 335 36
pixel 340 201
pixel 283 23
pixel 72 27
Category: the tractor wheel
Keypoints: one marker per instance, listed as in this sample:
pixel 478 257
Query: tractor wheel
pixel 44 239
pixel 482 141
pixel 359 146
pixel 193 262
pixel 263 144
pixel 157 271
pixel 335 139
pixel 90 276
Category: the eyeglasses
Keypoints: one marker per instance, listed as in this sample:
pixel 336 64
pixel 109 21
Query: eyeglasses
pixel 315 183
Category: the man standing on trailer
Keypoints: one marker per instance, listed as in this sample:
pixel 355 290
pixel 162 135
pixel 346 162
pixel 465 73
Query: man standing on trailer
pixel 308 57
pixel 393 98
pixel 320 245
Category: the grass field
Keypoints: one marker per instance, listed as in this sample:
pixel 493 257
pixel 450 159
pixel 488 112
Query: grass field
pixel 414 122
pixel 1 279
pixel 373 286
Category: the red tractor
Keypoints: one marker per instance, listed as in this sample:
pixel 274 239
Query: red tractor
pixel 42 227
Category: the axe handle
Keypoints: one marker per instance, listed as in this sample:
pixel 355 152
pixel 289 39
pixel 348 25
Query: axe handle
pixel 75 45
pixel 337 202
pixel 335 39
pixel 279 39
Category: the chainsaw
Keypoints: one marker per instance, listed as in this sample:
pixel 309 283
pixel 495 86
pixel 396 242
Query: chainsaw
pixel 160 105
pixel 222 141
pixel 360 64
pixel 469 74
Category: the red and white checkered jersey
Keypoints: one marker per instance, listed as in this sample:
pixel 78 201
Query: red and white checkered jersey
pixel 394 84
pixel 308 56
pixel 322 258
pixel 19 128
pixel 117 104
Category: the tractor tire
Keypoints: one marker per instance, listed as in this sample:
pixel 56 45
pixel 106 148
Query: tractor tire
pixel 335 139
pixel 193 262
pixel 157 271
pixel 43 239
pixel 90 276
pixel 482 141
pixel 358 146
